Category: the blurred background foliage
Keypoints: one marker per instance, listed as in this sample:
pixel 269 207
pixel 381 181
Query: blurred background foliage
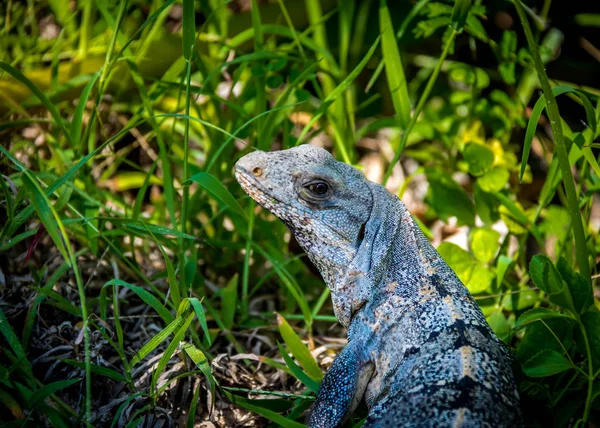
pixel 139 285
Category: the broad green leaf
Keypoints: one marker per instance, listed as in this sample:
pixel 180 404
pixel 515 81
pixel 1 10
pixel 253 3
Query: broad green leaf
pixel 534 315
pixel 484 244
pixel 547 278
pixel 297 371
pixel 148 298
pixel 499 325
pixel 448 199
pixel 394 71
pixel 269 414
pixel 298 349
pixel 579 287
pixel 219 191
pixel 478 157
pixel 494 179
pixel 474 275
pixel 502 265
pixel 546 363
pixel 523 298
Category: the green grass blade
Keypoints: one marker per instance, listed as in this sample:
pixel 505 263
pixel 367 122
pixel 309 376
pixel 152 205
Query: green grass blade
pixel 99 370
pixel 394 71
pixel 46 212
pixel 339 90
pixel 189 29
pixel 155 341
pixel 214 186
pixel 148 298
pixel 177 338
pixel 298 349
pixel 297 371
pixel 269 414
pixel 536 113
pixel 200 314
pixel 77 120
pixel 39 95
pixel 47 390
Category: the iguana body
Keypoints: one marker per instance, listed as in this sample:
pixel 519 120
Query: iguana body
pixel 420 351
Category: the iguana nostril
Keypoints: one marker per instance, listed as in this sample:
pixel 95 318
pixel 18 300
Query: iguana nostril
pixel 257 171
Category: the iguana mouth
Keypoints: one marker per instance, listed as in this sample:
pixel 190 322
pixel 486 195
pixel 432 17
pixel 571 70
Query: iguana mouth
pixel 256 190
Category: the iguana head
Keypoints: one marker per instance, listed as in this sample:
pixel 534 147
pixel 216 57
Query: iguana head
pixel 325 203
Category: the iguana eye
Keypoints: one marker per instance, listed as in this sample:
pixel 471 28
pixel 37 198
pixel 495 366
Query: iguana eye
pixel 319 188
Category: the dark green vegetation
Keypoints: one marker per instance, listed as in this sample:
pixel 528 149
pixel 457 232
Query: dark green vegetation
pixel 139 286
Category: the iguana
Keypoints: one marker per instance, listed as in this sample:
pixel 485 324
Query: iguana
pixel 420 351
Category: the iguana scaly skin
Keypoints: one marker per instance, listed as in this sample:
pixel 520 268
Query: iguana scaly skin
pixel 420 351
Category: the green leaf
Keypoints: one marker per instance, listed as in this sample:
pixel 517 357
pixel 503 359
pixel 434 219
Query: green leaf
pixel 298 350
pixel 148 298
pixel 229 296
pixel 502 265
pixel 168 353
pixel 219 191
pixel 199 309
pixel 494 179
pixel 499 325
pixel 546 363
pixel 475 276
pixel 46 212
pixel 12 404
pixel 448 199
pixel 579 287
pixel 156 340
pixel 99 370
pixel 394 71
pixel 77 120
pixel 297 371
pixel 547 278
pixel 484 244
pixel 339 90
pixel 35 91
pixel 479 158
pixel 538 108
pixel 534 315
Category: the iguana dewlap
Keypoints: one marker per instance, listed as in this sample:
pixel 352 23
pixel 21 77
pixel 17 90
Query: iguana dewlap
pixel 420 351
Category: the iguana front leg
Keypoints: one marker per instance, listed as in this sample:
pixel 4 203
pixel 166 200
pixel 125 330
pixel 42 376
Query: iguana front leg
pixel 342 387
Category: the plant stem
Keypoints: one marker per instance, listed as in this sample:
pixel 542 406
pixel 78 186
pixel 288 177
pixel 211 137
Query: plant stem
pixel 420 105
pixel 561 150
pixel 186 186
